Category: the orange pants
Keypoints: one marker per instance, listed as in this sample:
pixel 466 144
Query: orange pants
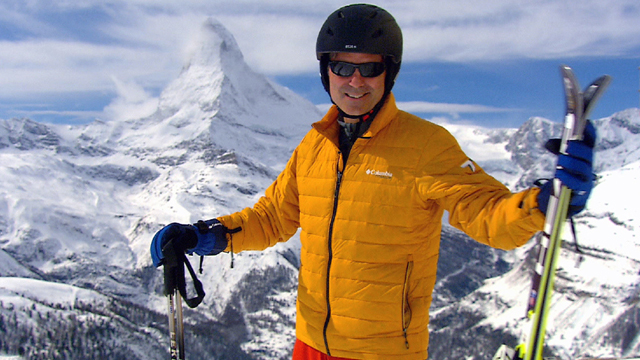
pixel 302 351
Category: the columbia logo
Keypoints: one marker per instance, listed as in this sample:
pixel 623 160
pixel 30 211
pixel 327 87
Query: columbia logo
pixel 382 174
pixel 469 164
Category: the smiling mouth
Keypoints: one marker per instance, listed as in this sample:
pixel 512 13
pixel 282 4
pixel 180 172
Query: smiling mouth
pixel 356 96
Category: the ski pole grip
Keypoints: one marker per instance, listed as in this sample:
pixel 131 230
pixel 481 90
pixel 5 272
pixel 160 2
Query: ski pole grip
pixel 172 266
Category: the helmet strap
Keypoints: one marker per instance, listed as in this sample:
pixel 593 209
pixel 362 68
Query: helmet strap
pixel 368 116
pixel 353 130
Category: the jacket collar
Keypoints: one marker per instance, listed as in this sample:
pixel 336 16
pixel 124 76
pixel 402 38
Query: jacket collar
pixel 330 128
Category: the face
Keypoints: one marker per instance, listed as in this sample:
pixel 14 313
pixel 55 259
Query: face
pixel 356 95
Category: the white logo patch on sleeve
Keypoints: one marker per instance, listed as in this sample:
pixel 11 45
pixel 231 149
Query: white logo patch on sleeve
pixel 470 164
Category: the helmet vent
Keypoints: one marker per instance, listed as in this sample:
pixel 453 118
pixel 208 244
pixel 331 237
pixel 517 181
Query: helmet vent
pixel 377 34
pixel 341 15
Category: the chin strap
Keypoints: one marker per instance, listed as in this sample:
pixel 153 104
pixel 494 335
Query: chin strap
pixel 370 115
pixel 361 118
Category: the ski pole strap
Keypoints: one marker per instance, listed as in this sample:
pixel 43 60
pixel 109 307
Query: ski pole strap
pixel 197 284
pixel 174 276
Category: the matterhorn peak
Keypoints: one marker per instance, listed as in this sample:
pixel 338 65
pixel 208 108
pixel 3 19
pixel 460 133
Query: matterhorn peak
pixel 217 82
pixel 219 100
pixel 212 55
pixel 214 46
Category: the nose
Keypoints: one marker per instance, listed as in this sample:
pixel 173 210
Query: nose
pixel 356 79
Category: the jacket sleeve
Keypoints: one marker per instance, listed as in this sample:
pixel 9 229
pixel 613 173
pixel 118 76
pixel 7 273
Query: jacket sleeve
pixel 274 218
pixel 477 203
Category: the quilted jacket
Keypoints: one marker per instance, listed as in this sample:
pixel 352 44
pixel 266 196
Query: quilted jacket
pixel 370 229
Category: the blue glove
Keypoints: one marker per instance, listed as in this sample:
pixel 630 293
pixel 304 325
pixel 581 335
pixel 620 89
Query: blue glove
pixel 203 238
pixel 212 237
pixel 575 170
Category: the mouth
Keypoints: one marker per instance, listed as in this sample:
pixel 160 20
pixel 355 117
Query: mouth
pixel 356 97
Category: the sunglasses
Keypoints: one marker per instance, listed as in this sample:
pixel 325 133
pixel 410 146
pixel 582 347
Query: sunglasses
pixel 368 70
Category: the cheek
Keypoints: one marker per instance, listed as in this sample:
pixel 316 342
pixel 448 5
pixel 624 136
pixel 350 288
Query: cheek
pixel 379 83
pixel 332 89
pixel 335 83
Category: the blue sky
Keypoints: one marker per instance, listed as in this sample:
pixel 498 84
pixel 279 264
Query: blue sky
pixel 466 61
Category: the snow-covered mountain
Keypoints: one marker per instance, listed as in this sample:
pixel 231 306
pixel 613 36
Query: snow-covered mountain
pixel 595 310
pixel 80 204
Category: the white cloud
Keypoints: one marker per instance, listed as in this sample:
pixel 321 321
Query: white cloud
pixel 276 44
pixel 132 102
pixel 71 116
pixel 145 41
pixel 430 107
pixel 439 108
pixel 278 37
pixel 469 30
pixel 49 66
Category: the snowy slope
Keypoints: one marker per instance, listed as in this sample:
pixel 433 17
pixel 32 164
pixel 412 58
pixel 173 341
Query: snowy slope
pixel 80 204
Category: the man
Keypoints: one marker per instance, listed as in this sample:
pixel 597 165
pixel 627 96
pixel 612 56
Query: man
pixel 368 186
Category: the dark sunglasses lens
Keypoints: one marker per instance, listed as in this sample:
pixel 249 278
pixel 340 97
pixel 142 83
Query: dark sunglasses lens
pixel 342 69
pixel 371 69
pixel 366 70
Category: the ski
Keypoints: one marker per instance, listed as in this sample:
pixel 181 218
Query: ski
pixel 593 92
pixel 578 106
pixel 550 239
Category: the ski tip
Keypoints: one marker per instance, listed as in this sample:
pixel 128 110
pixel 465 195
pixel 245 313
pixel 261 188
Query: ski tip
pixel 566 70
pixel 600 84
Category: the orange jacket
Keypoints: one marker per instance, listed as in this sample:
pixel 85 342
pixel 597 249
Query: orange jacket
pixel 371 229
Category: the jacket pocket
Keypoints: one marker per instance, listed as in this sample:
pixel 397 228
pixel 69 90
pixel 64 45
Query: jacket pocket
pixel 406 307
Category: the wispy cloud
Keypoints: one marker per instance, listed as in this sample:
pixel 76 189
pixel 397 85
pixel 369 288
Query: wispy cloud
pixel 49 66
pixel 430 107
pixel 467 30
pixel 426 107
pixel 132 102
pixel 43 51
pixel 70 116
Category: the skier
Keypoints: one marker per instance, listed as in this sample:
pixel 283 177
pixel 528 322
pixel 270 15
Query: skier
pixel 368 186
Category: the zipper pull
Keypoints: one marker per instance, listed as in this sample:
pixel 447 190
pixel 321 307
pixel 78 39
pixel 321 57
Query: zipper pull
pixel 338 182
pixel 341 162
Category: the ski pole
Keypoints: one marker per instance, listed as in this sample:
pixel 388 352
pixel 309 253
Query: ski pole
pixel 176 329
pixel 173 280
pixel 175 288
pixel 179 326
pixel 173 347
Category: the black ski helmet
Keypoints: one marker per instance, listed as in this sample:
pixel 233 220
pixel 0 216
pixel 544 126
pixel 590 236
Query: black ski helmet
pixel 361 28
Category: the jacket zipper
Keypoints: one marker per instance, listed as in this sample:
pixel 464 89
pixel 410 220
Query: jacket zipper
pixel 406 308
pixel 330 247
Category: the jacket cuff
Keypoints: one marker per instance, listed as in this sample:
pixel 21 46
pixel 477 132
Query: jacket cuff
pixel 232 221
pixel 532 207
